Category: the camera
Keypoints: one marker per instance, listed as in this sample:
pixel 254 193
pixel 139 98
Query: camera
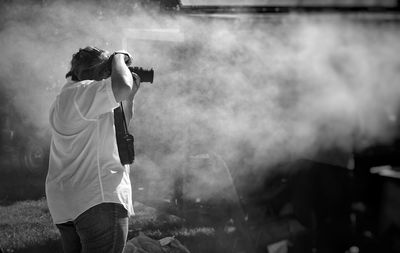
pixel 146 75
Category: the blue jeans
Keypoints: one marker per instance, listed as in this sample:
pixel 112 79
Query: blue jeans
pixel 101 229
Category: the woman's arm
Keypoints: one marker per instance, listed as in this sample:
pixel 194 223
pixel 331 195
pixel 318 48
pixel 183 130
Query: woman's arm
pixel 128 104
pixel 121 78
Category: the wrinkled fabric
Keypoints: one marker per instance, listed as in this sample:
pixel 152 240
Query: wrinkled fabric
pixel 87 235
pixel 84 166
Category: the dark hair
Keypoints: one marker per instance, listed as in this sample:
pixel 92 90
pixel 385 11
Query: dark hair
pixel 85 58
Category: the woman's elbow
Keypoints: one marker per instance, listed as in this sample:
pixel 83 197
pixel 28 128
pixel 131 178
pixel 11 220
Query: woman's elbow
pixel 121 91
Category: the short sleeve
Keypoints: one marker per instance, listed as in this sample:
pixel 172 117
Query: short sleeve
pixel 94 98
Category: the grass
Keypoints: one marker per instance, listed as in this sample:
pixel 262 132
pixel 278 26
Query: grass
pixel 26 226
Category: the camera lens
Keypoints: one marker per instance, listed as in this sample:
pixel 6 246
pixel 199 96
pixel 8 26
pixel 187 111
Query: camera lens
pixel 146 75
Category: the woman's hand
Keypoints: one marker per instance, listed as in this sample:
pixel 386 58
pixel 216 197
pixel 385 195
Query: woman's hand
pixel 128 57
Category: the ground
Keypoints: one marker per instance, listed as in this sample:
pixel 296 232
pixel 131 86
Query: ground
pixel 26 226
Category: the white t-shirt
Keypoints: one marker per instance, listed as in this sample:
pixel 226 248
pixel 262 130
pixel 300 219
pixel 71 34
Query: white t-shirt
pixel 84 166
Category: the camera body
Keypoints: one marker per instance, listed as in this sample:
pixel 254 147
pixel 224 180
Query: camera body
pixel 146 75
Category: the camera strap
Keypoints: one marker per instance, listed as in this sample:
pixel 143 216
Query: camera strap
pixel 120 121
pixel 125 140
pixel 123 119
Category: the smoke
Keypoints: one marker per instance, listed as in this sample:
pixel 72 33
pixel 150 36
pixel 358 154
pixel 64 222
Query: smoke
pixel 260 93
pixel 252 91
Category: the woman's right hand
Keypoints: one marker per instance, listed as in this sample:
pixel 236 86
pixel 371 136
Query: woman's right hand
pixel 127 56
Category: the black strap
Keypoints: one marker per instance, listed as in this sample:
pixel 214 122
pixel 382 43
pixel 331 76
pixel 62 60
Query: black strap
pixel 121 128
pixel 125 141
pixel 123 118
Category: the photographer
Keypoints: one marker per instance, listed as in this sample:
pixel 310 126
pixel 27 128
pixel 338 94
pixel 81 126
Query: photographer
pixel 88 190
